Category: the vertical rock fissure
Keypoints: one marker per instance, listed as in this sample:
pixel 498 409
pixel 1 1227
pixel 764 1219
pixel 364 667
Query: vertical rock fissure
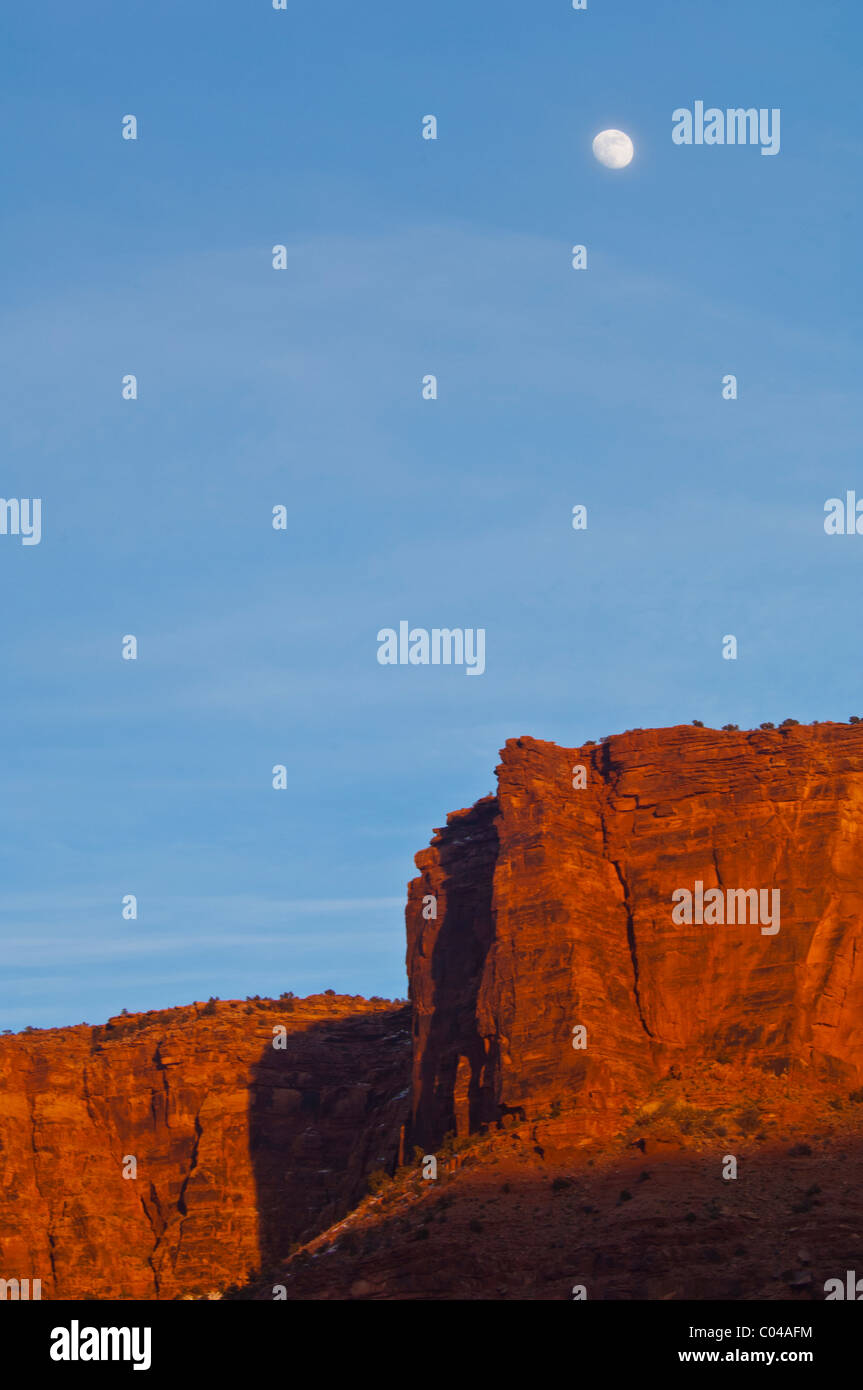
pixel 602 764
pixel 193 1163
pixel 151 1258
pixel 633 950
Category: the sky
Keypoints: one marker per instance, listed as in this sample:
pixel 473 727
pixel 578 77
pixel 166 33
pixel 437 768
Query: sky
pixel 302 388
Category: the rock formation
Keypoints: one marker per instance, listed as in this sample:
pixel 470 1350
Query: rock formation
pixel 544 909
pixel 554 910
pixel 240 1148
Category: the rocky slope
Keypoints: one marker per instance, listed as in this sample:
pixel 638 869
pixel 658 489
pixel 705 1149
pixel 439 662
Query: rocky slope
pixel 240 1148
pixel 653 1211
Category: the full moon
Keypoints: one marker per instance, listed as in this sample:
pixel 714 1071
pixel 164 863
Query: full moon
pixel 613 148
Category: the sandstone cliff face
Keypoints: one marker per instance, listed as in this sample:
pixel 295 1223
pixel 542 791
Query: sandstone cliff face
pixel 542 909
pixel 554 909
pixel 240 1148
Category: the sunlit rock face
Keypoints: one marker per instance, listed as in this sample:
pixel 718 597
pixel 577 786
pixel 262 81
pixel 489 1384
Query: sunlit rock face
pixel 177 1153
pixel 555 904
pixel 237 1148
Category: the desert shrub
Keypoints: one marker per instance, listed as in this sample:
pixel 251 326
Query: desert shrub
pixel 767 725
pixel 789 724
pixel 377 1181
pixel 698 723
pixel 688 1119
pixel 748 1120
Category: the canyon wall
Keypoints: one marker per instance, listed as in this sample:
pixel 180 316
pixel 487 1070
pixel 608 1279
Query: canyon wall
pixel 240 1148
pixel 540 910
pixel 554 909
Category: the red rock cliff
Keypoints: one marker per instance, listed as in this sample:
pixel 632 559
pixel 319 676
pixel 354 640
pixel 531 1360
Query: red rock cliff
pixel 241 1148
pixel 544 908
pixel 554 909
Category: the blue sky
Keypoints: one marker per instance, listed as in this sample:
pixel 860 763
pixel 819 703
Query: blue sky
pixel 302 387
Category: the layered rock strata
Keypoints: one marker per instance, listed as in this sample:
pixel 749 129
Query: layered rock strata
pixel 549 907
pixel 172 1154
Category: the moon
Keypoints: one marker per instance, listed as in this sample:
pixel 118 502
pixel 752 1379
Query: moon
pixel 613 148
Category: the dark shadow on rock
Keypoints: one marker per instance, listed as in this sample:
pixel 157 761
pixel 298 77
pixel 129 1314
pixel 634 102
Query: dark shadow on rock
pixel 325 1110
pixel 459 1070
pixel 665 1229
